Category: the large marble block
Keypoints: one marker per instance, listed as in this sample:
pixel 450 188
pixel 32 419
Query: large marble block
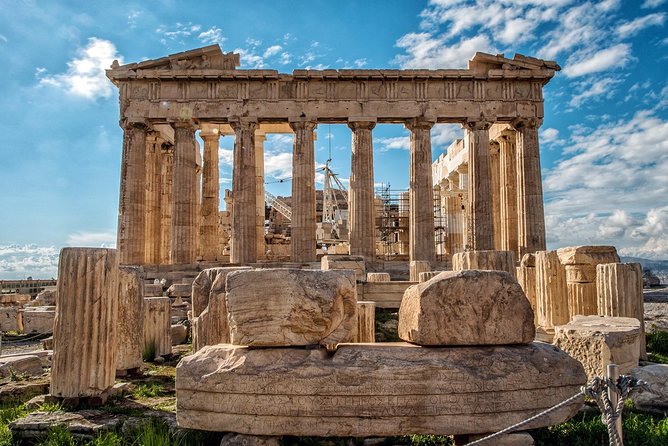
pixel 467 307
pixel 283 307
pixel 374 389
pixel 597 341
pixel 485 260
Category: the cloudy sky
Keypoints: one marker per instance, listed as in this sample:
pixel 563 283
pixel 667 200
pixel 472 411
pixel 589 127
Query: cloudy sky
pixel 604 140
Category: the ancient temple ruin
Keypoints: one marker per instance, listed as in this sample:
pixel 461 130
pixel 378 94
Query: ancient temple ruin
pixel 166 217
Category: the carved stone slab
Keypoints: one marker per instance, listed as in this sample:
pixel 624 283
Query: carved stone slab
pixel 373 389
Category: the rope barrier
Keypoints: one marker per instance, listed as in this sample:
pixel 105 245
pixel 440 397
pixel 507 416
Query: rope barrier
pixel 26 339
pixel 596 389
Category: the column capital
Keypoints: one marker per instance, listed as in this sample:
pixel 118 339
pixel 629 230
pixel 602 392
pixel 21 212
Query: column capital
pixel 243 123
pixel 528 123
pixel 421 122
pixel 129 124
pixel 297 124
pixel 361 123
pixel 477 124
pixel 494 147
pixel 210 134
pixel 186 124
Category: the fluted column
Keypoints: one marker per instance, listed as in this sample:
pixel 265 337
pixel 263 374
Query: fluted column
pixel 85 327
pixel 153 197
pixel 531 217
pixel 361 207
pixel 184 194
pixel 244 235
pixel 508 192
pixel 480 186
pixel 260 138
pixel 303 192
pixel 132 202
pixel 421 201
pixel 208 240
pixel 551 293
pixel 496 192
pixel 167 178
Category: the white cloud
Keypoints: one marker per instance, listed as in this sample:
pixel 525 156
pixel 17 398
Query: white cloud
pixel 615 56
pixel 426 51
pixel 652 3
pixel 609 186
pixel 85 75
pixel 599 88
pixel 225 156
pixel 549 135
pixel 633 27
pixel 3 38
pixel 212 35
pixel 393 143
pixel 359 63
pixel 92 239
pixel 272 50
pixel 285 58
pixel 179 31
pixel 21 261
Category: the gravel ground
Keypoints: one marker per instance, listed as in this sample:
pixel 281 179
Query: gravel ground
pixel 656 309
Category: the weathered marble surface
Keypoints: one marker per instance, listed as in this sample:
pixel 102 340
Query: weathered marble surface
pixel 284 307
pixel 656 375
pixel 130 325
pixel 597 341
pixel 485 260
pixel 467 307
pixel 373 389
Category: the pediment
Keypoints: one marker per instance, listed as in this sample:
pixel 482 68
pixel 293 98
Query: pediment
pixel 483 62
pixel 208 57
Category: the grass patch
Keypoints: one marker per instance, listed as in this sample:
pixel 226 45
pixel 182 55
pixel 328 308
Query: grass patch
pixel 148 354
pixel 8 414
pixel 152 432
pixel 586 429
pixel 58 436
pixel 107 439
pixel 51 407
pixel 148 390
pixel 17 376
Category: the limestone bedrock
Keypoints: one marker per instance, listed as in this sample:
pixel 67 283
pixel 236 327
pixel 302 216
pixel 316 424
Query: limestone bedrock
pixel 290 307
pixel 378 389
pixel 469 307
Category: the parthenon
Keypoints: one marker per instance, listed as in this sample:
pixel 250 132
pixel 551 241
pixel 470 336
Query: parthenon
pixel 168 211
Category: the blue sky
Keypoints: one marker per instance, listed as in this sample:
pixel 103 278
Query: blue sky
pixel 604 140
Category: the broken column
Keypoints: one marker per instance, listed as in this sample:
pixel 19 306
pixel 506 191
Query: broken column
pixel 619 294
pixel 157 327
pixel 487 260
pixel 580 263
pixel 551 292
pixel 366 322
pixel 130 333
pixel 377 277
pixel 526 277
pixel 417 267
pixel 84 353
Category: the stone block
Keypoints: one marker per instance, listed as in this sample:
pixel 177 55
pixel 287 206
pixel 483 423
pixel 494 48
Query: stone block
pixel 179 290
pixel 11 319
pixel 38 319
pixel 46 298
pixel 656 398
pixel 130 329
pixel 30 365
pixel 14 299
pixel 337 262
pixel 152 290
pixel 592 255
pixel 384 294
pixel 157 325
pixel 469 307
pixel 209 309
pixel 364 390
pixel 597 341
pixel 377 277
pixel 297 307
pixel 417 267
pixel 249 440
pixel 179 334
pixel 366 322
pixel 484 260
pixel 84 353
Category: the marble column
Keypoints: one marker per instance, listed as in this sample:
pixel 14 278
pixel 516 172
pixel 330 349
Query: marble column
pixel 449 208
pixel 184 194
pixel 132 202
pixel 153 197
pixel 260 138
pixel 361 218
pixel 495 180
pixel 480 186
pixel 208 239
pixel 508 192
pixel 531 217
pixel 244 233
pixel 421 216
pixel 167 174
pixel 303 192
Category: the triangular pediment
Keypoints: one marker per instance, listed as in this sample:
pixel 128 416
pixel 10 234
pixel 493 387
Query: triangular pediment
pixel 208 57
pixel 483 62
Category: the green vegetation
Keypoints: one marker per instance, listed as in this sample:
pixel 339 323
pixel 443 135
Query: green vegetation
pixel 657 346
pixel 148 390
pixel 17 376
pixel 149 351
pixel 7 415
pixel 51 407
